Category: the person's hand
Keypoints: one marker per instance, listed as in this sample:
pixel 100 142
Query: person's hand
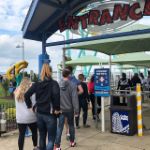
pixel 76 114
pixel 34 109
pixel 30 109
pixel 56 112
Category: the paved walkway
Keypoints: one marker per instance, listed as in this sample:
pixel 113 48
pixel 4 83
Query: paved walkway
pixel 88 139
pixel 92 139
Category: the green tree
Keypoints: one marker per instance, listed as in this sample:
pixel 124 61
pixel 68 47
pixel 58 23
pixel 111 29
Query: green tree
pixel 5 85
pixel 35 78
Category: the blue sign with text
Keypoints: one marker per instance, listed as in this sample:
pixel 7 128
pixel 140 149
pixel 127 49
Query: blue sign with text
pixel 102 82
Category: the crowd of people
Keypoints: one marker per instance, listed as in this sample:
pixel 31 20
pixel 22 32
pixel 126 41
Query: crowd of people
pixel 125 85
pixel 130 84
pixel 47 106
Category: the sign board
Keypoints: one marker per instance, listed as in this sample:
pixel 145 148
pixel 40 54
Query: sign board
pixel 102 82
pixel 122 11
pixel 120 122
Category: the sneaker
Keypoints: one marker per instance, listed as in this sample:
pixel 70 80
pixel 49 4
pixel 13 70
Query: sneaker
pixel 56 148
pixel 86 126
pixel 72 144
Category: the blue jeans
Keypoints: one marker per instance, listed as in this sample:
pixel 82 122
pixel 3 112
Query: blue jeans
pixel 47 124
pixel 60 126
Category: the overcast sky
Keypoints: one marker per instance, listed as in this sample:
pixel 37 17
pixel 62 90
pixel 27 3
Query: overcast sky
pixel 12 15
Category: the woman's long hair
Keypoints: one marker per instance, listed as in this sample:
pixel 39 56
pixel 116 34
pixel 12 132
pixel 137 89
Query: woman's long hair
pixel 46 71
pixel 22 89
pixel 92 78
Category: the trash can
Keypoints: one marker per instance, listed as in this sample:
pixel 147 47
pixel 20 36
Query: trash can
pixel 123 114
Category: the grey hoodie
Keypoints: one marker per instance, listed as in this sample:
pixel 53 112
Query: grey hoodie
pixel 68 97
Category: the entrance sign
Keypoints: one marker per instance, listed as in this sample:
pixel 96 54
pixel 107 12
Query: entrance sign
pixel 102 82
pixel 102 17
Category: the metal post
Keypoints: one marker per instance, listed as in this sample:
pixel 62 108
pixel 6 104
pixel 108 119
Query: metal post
pixel 102 114
pixel 96 112
pixel 139 110
pixel 23 55
pixel 44 57
pixel 22 47
pixel 110 67
pixel 63 61
pixel 63 53
pixel 43 45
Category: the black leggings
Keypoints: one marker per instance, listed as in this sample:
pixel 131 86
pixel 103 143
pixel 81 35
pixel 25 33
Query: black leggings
pixel 82 104
pixel 92 98
pixel 22 130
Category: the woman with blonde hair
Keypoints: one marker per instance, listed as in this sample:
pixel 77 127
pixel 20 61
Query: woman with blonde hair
pixel 48 106
pixel 25 118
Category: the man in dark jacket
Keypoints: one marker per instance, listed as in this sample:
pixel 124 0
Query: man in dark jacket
pixel 124 84
pixel 83 102
pixel 69 106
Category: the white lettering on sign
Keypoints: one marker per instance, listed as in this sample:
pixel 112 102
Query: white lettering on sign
pixel 124 117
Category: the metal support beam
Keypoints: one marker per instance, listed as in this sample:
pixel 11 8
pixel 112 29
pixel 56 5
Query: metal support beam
pixel 106 36
pixel 43 44
pixel 68 52
pixel 53 4
pixel 56 15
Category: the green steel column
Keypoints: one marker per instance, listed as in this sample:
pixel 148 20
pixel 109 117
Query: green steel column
pixel 135 70
pixel 89 70
pixel 68 52
pixel 82 52
pixel 121 68
pixel 145 72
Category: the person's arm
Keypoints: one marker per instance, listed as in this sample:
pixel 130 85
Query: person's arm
pixel 28 95
pixel 88 86
pixel 130 84
pixel 75 101
pixel 118 85
pixel 56 96
pixel 86 93
pixel 80 89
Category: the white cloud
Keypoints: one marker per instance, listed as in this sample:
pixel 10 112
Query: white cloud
pixel 9 54
pixel 12 14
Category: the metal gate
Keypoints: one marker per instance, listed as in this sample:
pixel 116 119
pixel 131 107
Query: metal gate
pixel 7 118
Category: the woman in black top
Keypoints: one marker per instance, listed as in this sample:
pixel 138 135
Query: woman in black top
pixel 47 106
pixel 83 102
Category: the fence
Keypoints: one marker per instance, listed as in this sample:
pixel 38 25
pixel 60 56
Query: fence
pixel 7 118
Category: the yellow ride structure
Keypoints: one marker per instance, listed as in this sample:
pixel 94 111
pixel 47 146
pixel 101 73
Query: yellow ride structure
pixel 15 69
